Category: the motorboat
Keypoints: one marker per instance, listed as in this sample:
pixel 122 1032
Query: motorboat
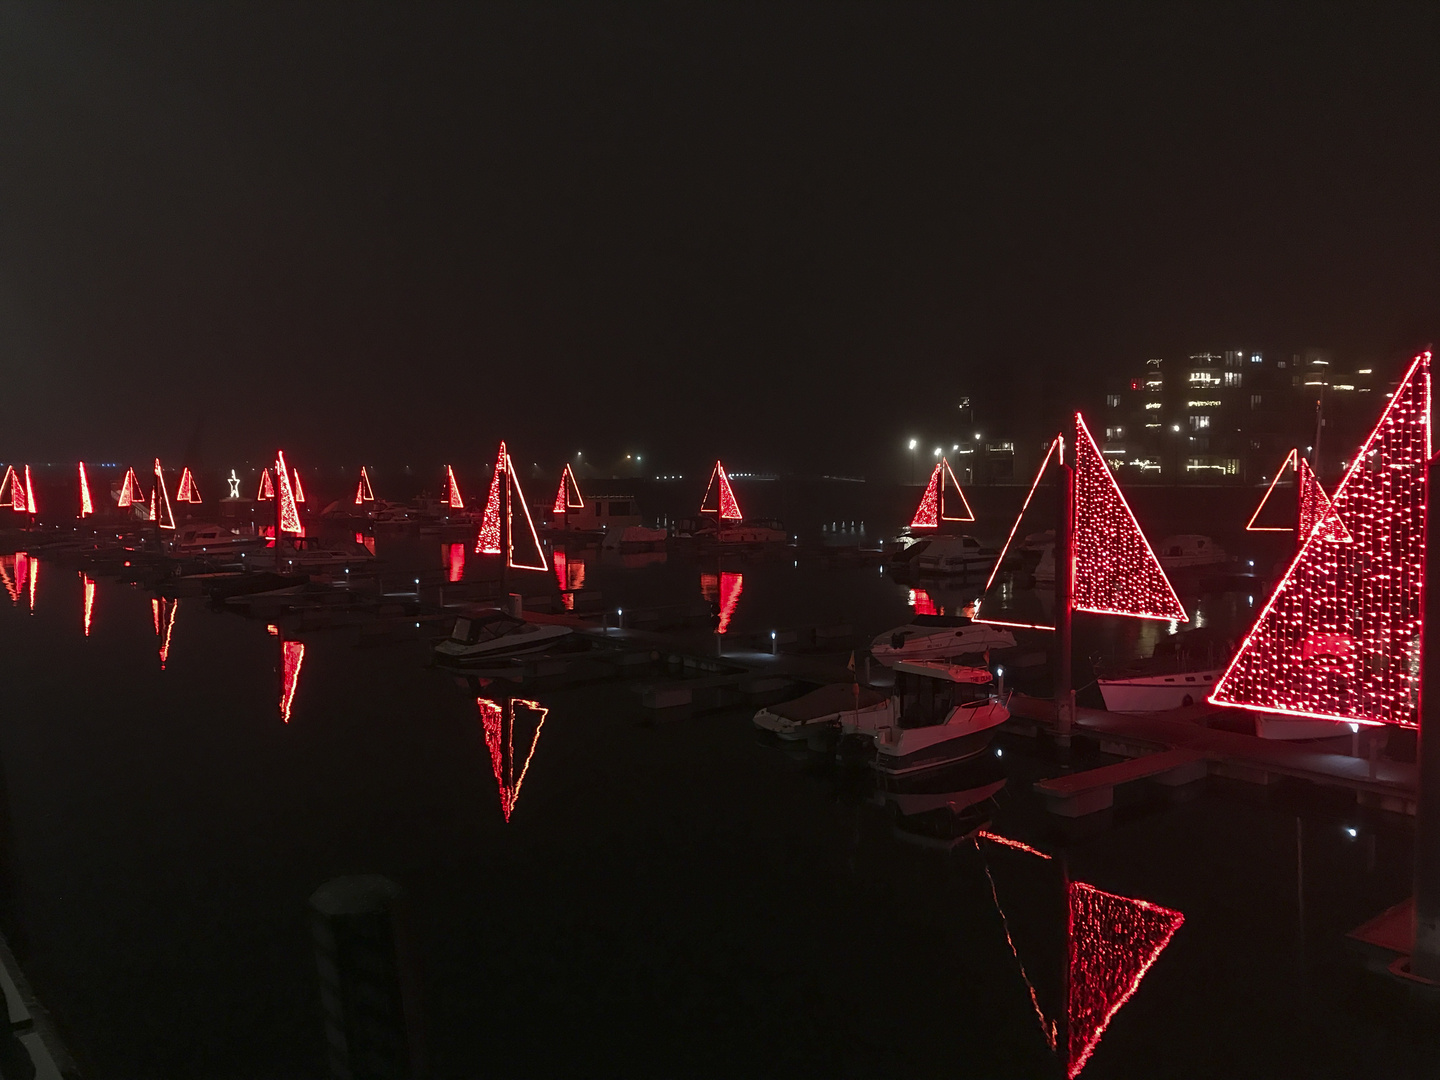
pixel 906 549
pixel 307 553
pixel 1188 551
pixel 1181 670
pixel 204 538
pixel 944 714
pixel 955 555
pixel 633 538
pixel 751 532
pixel 944 804
pixel 938 637
pixel 492 634
pixel 839 704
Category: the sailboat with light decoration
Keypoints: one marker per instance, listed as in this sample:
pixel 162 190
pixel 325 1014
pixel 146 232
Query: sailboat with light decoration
pixel 730 526
pixel 498 535
pixel 1338 643
pixel 1104 563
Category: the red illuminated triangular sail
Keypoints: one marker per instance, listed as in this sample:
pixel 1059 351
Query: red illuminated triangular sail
pixel 498 722
pixel 725 505
pixel 567 496
pixel 927 514
pixel 160 511
pixel 452 493
pixel 488 541
pixel 289 514
pixel 363 493
pixel 1116 572
pixel 188 491
pixel 267 486
pixel 1316 510
pixel 1340 638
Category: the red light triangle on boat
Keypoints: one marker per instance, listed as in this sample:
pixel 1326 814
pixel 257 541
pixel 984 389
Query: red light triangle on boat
pixel 1340 637
pixel 567 496
pixel 725 505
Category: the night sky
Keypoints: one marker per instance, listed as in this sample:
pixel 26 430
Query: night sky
pixel 789 235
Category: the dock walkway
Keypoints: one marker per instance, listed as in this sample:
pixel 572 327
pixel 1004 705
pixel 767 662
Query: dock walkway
pixel 1391 785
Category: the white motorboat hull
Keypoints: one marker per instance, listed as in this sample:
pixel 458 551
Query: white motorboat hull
pixel 939 643
pixel 849 720
pixel 1158 693
pixel 1268 726
pixel 541 638
pixel 965 734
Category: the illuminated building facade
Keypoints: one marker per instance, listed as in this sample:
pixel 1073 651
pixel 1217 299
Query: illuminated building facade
pixel 1229 416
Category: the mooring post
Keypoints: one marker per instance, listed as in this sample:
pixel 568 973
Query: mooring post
pixel 368 985
pixel 1064 604
pixel 1425 959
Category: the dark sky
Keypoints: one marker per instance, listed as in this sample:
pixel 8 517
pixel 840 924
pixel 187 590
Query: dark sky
pixel 790 235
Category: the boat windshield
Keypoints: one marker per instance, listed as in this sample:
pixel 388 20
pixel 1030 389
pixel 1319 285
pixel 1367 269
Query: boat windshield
pixel 485 628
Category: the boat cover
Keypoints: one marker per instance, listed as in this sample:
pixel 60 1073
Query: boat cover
pixel 837 697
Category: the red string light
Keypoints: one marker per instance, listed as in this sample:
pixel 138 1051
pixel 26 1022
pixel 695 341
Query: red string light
pixel 289 514
pixel 29 492
pixel 267 487
pixel 954 485
pixel 89 600
pixel 499 725
pixel 1340 637
pixel 452 494
pixel 160 500
pixel 130 491
pixel 299 491
pixel 725 504
pixel 488 542
pixel 567 496
pixel 1114 942
pixel 1291 463
pixel 517 498
pixel 188 491
pixel 33 565
pixel 995 570
pixel 292 655
pixel 1316 509
pixel 1115 571
pixel 363 492
pixel 86 506
pixel 927 514
pixel 12 492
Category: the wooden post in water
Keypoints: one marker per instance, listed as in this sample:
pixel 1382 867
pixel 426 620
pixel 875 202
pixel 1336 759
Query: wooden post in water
pixel 1065 600
pixel 368 985
pixel 1425 957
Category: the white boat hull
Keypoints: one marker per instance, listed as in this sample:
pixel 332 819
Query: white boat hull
pixel 939 643
pixel 1158 693
pixel 1298 727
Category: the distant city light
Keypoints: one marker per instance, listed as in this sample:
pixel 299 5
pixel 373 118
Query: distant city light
pixel 912 444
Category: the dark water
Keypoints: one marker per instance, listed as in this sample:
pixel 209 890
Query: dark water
pixel 666 898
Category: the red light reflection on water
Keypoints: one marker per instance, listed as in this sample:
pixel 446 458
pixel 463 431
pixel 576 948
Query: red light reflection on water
pixel 367 542
pixel 499 723
pixel 162 611
pixel 724 589
pixel 1113 941
pixel 569 570
pixel 292 655
pixel 89 601
pixel 455 554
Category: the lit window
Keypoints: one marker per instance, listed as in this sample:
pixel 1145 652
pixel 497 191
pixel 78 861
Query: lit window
pixel 1114 433
pixel 1254 401
pixel 1232 378
pixel 1112 400
pixel 1199 422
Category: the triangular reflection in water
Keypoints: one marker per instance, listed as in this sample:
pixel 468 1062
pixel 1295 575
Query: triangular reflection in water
pixel 724 591
pixel 1110 942
pixel 499 721
pixel 292 655
pixel 89 600
pixel 162 612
